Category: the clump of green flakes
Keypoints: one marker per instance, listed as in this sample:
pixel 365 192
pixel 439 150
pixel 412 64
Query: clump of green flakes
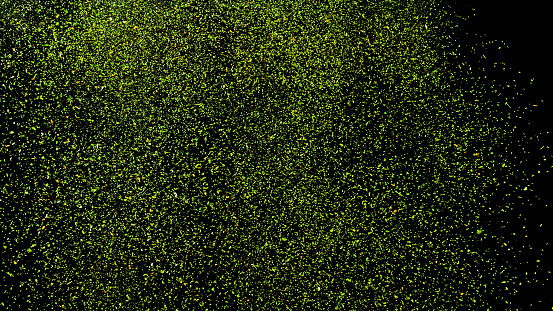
pixel 251 155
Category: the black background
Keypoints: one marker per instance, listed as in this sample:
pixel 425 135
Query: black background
pixel 525 28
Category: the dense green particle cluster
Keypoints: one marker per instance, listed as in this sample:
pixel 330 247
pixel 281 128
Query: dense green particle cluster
pixel 277 155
